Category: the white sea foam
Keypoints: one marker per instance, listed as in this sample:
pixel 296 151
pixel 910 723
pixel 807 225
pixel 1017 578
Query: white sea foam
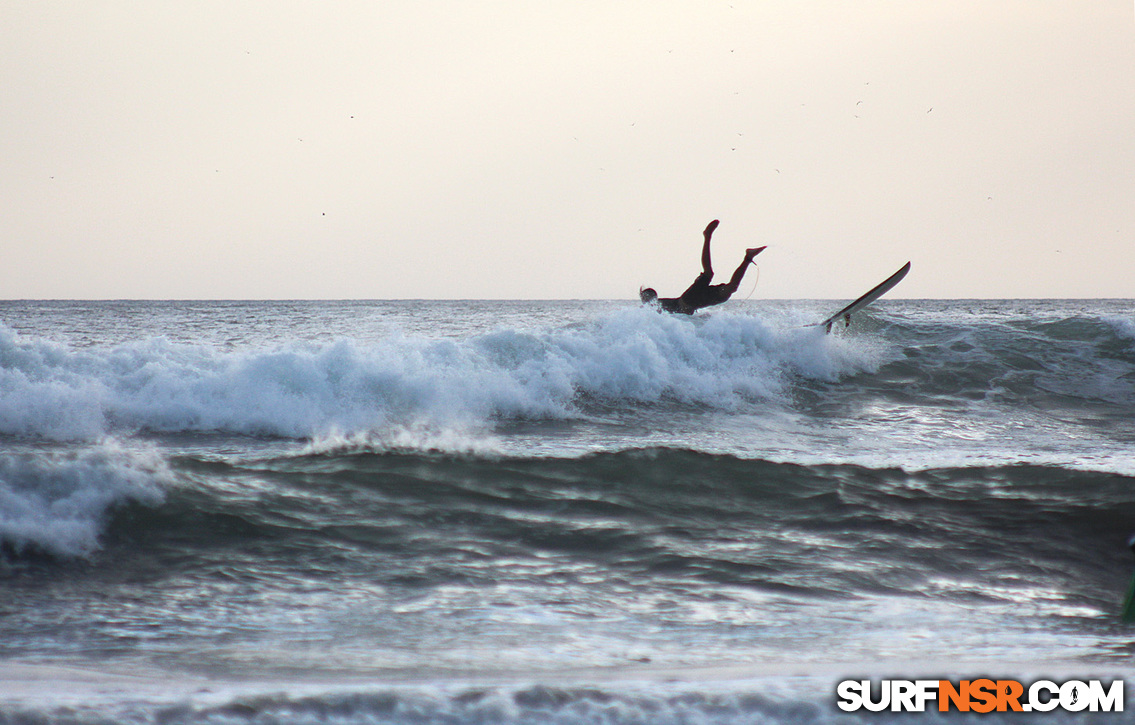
pixel 720 695
pixel 401 382
pixel 418 438
pixel 1122 326
pixel 58 501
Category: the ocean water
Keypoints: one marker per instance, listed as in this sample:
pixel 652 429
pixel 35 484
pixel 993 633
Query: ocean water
pixel 555 512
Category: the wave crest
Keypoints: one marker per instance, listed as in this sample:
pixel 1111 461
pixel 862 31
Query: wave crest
pixel 58 502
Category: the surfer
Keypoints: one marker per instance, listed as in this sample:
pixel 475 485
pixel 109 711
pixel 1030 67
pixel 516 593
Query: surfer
pixel 701 293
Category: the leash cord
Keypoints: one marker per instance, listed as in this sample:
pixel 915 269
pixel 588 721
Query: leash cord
pixel 758 279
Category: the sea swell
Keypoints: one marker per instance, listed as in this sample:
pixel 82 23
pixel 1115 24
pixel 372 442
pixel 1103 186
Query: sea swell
pixel 1068 362
pixel 362 561
pixel 647 495
pixel 667 516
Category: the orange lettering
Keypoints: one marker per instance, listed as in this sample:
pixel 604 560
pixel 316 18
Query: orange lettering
pixel 985 692
pixel 947 694
pixel 1008 695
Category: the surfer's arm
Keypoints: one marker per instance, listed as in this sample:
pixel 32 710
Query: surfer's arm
pixel 706 264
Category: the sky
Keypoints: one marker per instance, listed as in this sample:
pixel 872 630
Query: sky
pixel 547 149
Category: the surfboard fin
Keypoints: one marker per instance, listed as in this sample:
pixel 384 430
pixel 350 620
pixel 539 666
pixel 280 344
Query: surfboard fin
pixel 875 293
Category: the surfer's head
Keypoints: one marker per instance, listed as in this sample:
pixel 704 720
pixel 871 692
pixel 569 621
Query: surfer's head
pixel 647 295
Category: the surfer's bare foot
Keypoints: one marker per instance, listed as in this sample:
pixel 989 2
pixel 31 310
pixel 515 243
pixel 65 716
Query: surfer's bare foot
pixel 754 251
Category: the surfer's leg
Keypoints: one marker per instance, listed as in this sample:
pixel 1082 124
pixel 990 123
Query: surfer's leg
pixel 739 273
pixel 706 264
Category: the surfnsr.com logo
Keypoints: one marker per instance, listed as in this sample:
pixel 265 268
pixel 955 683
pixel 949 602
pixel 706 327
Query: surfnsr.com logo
pixel 982 695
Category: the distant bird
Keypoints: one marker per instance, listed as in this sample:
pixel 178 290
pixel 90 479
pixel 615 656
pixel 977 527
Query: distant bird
pixel 931 109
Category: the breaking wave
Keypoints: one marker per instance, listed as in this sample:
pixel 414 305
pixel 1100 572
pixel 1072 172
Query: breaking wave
pixel 301 390
pixel 59 501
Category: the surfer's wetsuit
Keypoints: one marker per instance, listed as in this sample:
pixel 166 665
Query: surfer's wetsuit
pixel 701 293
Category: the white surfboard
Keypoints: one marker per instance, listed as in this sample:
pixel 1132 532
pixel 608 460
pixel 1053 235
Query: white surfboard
pixel 878 291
